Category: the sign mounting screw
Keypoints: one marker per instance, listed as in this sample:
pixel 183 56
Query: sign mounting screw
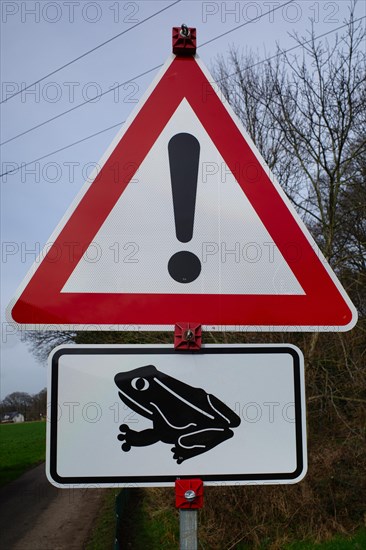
pixel 184 31
pixel 189 334
pixel 190 495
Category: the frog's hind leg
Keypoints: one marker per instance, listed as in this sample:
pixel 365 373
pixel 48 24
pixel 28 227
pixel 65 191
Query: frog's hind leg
pixel 195 443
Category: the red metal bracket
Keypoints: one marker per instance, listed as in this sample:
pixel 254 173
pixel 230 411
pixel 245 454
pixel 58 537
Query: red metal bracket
pixel 188 336
pixel 189 493
pixel 184 41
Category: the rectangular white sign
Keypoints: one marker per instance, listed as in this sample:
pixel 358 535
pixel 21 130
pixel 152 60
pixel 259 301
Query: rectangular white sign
pixel 146 415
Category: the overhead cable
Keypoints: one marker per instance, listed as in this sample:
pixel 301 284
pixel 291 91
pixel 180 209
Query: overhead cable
pixel 90 51
pixel 133 78
pixel 278 54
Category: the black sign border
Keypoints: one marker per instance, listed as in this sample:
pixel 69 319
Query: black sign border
pixel 131 480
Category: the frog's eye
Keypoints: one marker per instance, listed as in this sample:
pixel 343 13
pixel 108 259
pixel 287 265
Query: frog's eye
pixel 140 384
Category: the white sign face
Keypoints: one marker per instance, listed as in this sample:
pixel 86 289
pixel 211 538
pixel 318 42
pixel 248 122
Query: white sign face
pixel 146 415
pixel 223 215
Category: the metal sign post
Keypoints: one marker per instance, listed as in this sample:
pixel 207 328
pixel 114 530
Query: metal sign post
pixel 188 492
pixel 188 529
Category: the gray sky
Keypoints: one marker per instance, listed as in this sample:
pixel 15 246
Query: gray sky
pixel 37 38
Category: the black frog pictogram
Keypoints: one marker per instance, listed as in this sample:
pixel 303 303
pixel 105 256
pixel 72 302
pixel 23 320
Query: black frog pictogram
pixel 187 417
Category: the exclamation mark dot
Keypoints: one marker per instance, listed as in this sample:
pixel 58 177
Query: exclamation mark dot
pixel 184 152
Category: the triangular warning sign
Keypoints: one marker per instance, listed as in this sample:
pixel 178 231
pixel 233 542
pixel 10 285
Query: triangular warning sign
pixel 184 222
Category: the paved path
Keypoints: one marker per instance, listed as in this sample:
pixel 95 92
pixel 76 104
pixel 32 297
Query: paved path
pixel 37 516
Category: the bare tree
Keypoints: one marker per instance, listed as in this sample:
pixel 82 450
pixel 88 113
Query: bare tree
pixel 41 343
pixel 306 113
pixel 247 85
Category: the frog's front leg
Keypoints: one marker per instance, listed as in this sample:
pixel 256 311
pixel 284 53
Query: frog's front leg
pixel 132 438
pixel 198 442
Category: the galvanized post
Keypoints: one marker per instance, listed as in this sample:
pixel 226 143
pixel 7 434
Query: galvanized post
pixel 188 529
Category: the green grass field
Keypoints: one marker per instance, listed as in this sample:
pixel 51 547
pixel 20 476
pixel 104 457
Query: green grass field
pixel 21 447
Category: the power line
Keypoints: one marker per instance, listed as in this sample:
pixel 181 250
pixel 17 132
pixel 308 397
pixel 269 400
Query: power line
pixel 135 77
pixel 23 165
pixel 229 76
pixel 281 6
pixel 77 106
pixel 90 51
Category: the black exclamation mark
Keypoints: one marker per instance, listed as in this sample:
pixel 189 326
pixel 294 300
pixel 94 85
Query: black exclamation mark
pixel 184 152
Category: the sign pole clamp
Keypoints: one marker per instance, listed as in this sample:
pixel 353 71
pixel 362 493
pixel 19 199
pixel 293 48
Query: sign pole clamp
pixel 188 336
pixel 184 41
pixel 189 493
pixel 188 498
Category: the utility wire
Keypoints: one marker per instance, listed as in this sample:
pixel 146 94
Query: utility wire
pixel 135 77
pixel 283 52
pixel 23 165
pixel 77 106
pixel 90 51
pixel 281 6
